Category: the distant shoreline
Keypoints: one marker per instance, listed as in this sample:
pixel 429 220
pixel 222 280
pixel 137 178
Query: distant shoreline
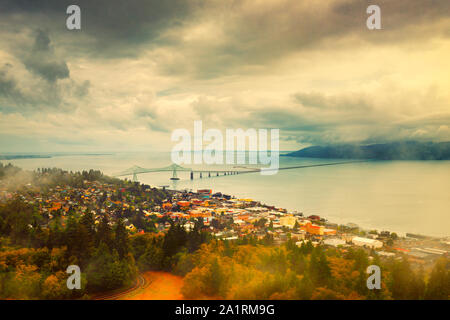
pixel 13 157
pixel 38 156
pixel 410 150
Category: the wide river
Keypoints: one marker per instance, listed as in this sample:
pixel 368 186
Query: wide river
pixel 401 196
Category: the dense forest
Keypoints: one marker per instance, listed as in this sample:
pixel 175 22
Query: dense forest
pixel 33 261
pixel 289 272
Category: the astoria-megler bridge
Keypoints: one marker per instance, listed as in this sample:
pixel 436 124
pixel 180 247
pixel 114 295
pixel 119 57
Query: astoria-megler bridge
pixel 174 168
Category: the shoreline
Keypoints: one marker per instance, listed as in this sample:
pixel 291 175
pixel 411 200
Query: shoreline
pixel 361 227
pixel 330 216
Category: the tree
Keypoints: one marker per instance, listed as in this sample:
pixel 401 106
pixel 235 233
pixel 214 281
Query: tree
pixel 438 287
pixel 305 288
pixel 185 264
pixel 401 280
pixel 26 282
pixel 88 221
pixel 152 259
pixel 194 239
pixel 55 287
pixel 121 239
pixel 319 268
pixel 214 278
pixel 175 239
pixel 106 271
pixel 418 285
pixel 104 233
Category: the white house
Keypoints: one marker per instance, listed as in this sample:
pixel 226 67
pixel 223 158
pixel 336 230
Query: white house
pixel 334 242
pixel 366 242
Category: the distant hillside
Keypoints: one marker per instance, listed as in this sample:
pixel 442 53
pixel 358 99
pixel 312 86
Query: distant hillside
pixel 21 156
pixel 410 150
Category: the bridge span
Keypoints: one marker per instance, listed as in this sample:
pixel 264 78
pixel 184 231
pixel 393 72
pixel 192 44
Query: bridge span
pixel 174 168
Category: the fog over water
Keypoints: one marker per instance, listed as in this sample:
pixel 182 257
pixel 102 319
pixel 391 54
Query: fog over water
pixel 401 196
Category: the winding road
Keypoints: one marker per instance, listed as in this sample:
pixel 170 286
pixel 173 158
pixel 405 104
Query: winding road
pixel 150 285
pixel 140 283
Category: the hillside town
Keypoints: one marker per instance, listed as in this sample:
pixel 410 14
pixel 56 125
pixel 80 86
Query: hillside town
pixel 224 217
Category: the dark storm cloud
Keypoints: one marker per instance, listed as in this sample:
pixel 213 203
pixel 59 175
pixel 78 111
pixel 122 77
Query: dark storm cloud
pixel 113 28
pixel 46 86
pixel 255 34
pixel 251 33
pixel 42 61
pixel 42 96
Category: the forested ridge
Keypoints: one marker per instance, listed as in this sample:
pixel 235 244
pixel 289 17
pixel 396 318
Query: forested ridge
pixel 407 150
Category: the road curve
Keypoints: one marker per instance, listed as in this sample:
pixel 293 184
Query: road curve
pixel 140 283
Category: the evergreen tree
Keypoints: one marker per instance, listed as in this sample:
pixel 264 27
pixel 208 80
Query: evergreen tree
pixel 121 239
pixel 438 287
pixel 401 280
pixel 319 269
pixel 104 233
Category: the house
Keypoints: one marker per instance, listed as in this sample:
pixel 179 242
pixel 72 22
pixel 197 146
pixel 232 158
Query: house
pixel 366 242
pixel 329 232
pixel 334 242
pixel 288 221
pixel 313 229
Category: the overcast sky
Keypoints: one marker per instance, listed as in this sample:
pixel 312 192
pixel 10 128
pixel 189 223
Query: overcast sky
pixel 139 69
